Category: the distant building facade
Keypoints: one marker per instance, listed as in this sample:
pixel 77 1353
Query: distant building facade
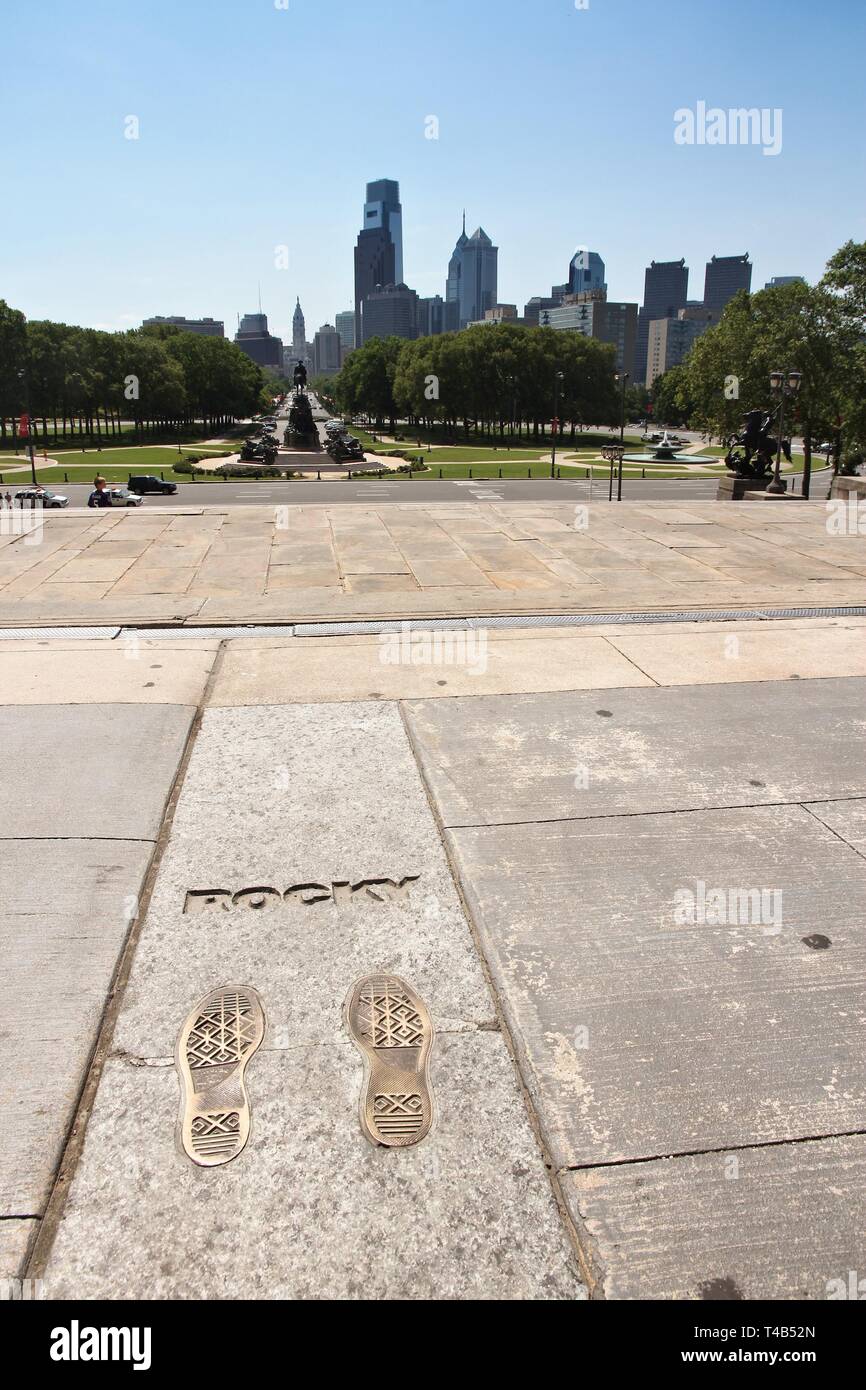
pixel 778 280
pixel 345 325
pixel 390 311
pixel 593 315
pixel 670 340
pixel 666 291
pixel 254 339
pixel 437 315
pixel 725 276
pixel 211 328
pixel 327 351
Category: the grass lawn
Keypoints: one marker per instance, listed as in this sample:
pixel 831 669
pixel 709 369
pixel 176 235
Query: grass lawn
pixel 115 465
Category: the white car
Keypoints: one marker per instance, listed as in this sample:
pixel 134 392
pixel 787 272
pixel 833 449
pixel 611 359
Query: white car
pixel 122 497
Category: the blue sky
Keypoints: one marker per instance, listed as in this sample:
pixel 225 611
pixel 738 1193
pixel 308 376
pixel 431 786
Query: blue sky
pixel 259 127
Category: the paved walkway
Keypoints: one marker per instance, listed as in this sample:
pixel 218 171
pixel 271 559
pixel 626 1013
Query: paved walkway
pixel 214 564
pixel 633 1100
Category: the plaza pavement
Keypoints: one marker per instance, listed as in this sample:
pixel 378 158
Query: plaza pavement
pixel 628 1105
pixel 209 565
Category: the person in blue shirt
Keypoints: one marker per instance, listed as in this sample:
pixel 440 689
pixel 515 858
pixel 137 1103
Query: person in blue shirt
pixel 100 497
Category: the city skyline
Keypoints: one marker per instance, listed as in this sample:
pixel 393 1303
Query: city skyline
pixel 160 226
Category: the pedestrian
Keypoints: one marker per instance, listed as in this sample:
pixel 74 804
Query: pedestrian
pixel 8 499
pixel 100 497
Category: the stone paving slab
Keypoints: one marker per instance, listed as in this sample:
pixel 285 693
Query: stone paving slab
pixel 117 673
pixel 392 667
pixel 584 557
pixel 65 909
pixel 280 797
pixel 311 1210
pixel 67 770
pixel 640 1035
pixel 542 757
pixel 15 1239
pixel 689 659
pixel 785 1222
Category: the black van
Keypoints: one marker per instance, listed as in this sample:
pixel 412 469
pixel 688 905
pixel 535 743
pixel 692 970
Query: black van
pixel 146 482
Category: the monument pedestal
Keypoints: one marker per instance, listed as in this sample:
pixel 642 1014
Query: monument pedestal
pixel 734 489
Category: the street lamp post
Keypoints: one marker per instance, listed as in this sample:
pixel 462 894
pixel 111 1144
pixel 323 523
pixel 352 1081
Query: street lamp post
pixel 784 385
pixel 558 377
pixel 22 377
pixel 622 378
pixel 613 453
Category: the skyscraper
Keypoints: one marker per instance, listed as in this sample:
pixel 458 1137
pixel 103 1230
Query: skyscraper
pixel 724 277
pixel 379 250
pixel 666 290
pixel 586 272
pixel 455 269
pixel 479 278
pixel 472 275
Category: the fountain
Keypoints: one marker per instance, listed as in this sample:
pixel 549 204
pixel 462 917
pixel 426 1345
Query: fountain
pixel 666 451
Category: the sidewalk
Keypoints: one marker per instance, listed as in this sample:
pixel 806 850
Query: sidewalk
pixel 628 1104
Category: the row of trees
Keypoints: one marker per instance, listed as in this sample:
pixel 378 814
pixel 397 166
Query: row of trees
pixel 83 383
pixel 818 330
pixel 484 380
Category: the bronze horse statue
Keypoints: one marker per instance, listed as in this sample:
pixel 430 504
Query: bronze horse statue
pixel 752 452
pixel 300 377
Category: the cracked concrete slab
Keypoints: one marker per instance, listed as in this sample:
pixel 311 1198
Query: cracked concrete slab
pixel 65 910
pixel 643 1031
pixel 620 752
pixel 784 1222
pixel 312 1210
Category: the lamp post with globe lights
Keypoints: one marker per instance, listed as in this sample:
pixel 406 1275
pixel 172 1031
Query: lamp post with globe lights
pixel 785 385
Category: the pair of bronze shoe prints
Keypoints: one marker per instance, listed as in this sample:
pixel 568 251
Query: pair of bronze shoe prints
pixel 388 1022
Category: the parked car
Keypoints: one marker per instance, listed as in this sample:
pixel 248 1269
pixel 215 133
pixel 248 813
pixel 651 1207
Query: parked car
pixel 40 496
pixel 142 483
pixel 122 497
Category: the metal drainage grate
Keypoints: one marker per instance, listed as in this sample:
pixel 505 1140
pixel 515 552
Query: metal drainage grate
pixel 387 625
pixel 159 634
pixel 574 620
pixel 12 634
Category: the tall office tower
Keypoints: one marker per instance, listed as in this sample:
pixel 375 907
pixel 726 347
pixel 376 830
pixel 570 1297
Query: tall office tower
pixel 327 351
pixel 379 250
pixel 479 277
pixel 455 269
pixel 390 311
pixel 254 339
pixel 725 276
pixel 585 273
pixel 345 323
pixel 666 291
pixel 778 280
